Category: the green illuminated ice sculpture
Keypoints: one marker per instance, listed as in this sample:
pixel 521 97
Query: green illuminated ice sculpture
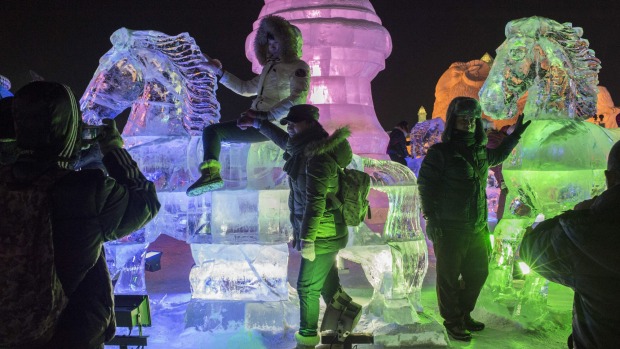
pixel 561 158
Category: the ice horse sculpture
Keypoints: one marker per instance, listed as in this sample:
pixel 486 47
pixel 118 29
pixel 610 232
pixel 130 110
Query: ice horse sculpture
pixel 172 97
pixel 561 158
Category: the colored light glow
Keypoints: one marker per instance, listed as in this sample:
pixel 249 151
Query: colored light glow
pixel 319 94
pixel 525 269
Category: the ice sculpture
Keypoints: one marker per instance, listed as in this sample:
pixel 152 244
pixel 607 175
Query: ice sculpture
pixel 238 238
pixel 5 87
pixel 605 107
pixel 345 46
pixel 560 159
pixel 464 79
pixel 172 97
pixel 423 135
pixel 396 261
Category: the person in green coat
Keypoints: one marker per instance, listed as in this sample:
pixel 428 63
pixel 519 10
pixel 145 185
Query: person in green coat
pixel 313 161
pixel 452 186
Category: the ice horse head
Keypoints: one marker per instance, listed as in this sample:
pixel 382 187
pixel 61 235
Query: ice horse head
pixel 162 78
pixel 552 63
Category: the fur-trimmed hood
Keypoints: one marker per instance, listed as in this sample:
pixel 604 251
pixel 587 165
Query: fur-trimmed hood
pixel 288 35
pixel 336 145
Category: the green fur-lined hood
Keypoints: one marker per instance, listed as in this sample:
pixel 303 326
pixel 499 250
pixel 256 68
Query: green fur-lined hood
pixel 288 35
pixel 336 145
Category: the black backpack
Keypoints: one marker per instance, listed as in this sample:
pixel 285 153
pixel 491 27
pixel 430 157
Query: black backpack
pixel 31 296
pixel 352 196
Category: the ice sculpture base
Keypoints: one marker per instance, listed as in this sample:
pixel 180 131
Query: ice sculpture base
pixel 426 333
pixel 230 316
pixel 248 272
pixel 396 271
pixel 126 265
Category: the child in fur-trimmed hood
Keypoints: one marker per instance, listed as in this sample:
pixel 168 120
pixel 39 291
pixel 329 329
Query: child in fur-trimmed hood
pixel 283 83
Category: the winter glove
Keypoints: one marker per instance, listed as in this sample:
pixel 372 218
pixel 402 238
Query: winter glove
pixel 307 250
pixel 214 66
pixel 520 127
pixel 110 138
pixel 245 121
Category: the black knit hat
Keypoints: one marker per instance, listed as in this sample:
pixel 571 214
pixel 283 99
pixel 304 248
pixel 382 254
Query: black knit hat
pixel 47 121
pixel 301 112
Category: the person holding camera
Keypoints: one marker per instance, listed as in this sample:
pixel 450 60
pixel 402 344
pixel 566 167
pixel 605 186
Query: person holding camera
pixel 87 207
pixel 283 83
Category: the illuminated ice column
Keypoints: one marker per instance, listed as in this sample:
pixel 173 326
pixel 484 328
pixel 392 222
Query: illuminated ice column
pixel 345 46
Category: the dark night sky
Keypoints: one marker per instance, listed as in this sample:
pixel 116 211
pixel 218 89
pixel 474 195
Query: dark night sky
pixel 63 40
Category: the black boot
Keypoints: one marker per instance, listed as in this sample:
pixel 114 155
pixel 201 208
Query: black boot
pixel 472 324
pixel 457 331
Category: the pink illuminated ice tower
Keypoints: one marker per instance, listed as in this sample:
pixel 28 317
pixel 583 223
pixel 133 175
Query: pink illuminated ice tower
pixel 345 46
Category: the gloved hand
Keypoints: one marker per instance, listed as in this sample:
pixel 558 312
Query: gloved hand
pixel 520 127
pixel 244 121
pixel 214 66
pixel 307 250
pixel 110 137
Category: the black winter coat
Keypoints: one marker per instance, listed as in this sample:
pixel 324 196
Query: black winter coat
pixel 312 216
pixel 579 249
pixel 452 183
pixel 397 146
pixel 88 209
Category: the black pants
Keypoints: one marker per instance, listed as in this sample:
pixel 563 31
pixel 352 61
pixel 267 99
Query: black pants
pixel 214 135
pixel 463 253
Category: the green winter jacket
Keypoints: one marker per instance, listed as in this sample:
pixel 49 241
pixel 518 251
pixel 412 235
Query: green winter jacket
pixel 312 216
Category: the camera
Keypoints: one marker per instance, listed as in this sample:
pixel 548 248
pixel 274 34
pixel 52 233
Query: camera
pixel 91 132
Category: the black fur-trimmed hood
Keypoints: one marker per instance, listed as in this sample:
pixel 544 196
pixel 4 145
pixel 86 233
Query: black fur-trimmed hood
pixel 288 35
pixel 336 145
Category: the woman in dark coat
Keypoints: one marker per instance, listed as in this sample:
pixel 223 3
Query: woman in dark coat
pixel 313 159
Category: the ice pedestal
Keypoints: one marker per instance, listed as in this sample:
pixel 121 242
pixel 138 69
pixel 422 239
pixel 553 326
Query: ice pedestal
pixel 557 164
pixel 240 272
pixel 395 262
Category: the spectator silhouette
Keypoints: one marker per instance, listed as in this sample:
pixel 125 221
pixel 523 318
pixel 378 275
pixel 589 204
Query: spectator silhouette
pixel 87 208
pixel 397 146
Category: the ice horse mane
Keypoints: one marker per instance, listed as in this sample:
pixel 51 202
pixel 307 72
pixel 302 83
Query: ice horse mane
pixel 549 60
pixel 161 77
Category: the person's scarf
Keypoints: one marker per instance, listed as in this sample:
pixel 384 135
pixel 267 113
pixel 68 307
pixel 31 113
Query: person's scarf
pixel 295 149
pixel 463 137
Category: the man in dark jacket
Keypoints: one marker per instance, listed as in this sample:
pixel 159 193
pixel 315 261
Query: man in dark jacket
pixel 283 82
pixel 313 159
pixel 88 208
pixel 452 185
pixel 579 249
pixel 397 146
